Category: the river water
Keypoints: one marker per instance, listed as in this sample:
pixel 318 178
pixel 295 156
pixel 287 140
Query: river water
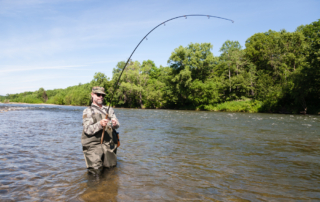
pixel 165 155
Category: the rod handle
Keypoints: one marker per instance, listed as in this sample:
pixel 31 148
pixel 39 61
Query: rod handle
pixel 104 128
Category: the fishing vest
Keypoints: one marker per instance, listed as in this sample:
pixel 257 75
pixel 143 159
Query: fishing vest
pixel 95 139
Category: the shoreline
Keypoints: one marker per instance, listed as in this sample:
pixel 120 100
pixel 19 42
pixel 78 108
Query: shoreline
pixel 22 103
pixel 148 109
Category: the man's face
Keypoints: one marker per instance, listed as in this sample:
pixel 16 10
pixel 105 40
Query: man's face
pixel 97 98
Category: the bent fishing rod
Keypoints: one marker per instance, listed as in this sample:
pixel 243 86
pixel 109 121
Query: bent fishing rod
pixel 145 37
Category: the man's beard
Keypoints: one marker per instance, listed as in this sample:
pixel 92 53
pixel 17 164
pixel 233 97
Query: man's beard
pixel 99 102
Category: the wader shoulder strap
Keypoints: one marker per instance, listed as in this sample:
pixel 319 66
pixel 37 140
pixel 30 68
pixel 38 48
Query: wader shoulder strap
pixel 99 110
pixel 92 111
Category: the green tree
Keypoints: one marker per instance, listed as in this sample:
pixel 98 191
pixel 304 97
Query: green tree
pixel 231 61
pixel 307 82
pixel 194 62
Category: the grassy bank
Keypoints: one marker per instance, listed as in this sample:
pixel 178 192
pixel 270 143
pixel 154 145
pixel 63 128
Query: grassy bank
pixel 248 106
pixel 232 106
pixel 236 106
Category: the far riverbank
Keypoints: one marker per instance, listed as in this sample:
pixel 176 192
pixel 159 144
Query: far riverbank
pixel 232 106
pixel 22 103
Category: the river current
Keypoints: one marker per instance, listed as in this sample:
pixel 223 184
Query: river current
pixel 165 155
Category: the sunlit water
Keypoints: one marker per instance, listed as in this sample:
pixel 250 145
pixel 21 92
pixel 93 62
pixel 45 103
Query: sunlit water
pixel 164 155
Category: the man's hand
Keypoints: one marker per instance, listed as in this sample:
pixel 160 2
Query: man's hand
pixel 114 122
pixel 104 122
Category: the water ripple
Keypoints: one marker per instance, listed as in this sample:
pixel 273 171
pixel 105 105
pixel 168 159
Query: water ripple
pixel 164 155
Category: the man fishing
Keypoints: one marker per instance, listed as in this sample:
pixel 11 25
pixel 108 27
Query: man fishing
pixel 102 155
pixel 99 148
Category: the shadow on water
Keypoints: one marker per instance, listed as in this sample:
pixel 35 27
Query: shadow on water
pixel 102 187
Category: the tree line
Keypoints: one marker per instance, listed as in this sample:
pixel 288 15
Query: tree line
pixel 275 72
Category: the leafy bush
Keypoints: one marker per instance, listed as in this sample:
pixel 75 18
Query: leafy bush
pixel 236 106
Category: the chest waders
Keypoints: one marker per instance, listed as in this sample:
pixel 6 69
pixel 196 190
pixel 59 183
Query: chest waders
pixel 99 155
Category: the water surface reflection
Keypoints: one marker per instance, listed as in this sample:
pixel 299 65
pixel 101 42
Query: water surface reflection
pixel 164 155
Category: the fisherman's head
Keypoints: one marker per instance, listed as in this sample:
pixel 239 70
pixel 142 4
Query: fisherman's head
pixel 97 95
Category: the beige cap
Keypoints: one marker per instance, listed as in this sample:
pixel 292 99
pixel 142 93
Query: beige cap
pixel 98 89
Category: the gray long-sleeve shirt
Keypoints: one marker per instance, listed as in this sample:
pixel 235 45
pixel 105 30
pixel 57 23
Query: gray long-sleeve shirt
pixel 89 127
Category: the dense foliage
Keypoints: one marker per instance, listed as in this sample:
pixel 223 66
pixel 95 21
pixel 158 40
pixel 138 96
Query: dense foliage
pixel 276 72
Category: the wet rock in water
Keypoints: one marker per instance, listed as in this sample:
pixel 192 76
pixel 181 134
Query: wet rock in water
pixel 3 191
pixel 6 109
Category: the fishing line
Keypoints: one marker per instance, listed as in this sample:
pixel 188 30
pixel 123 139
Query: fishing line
pixel 145 37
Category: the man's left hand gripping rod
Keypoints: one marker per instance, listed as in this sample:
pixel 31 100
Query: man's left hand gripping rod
pixel 104 128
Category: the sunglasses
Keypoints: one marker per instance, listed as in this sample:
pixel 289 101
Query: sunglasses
pixel 98 94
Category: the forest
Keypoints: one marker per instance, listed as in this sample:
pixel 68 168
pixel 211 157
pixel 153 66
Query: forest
pixel 276 72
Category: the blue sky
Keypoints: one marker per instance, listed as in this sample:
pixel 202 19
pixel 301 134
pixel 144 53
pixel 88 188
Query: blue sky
pixel 60 43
